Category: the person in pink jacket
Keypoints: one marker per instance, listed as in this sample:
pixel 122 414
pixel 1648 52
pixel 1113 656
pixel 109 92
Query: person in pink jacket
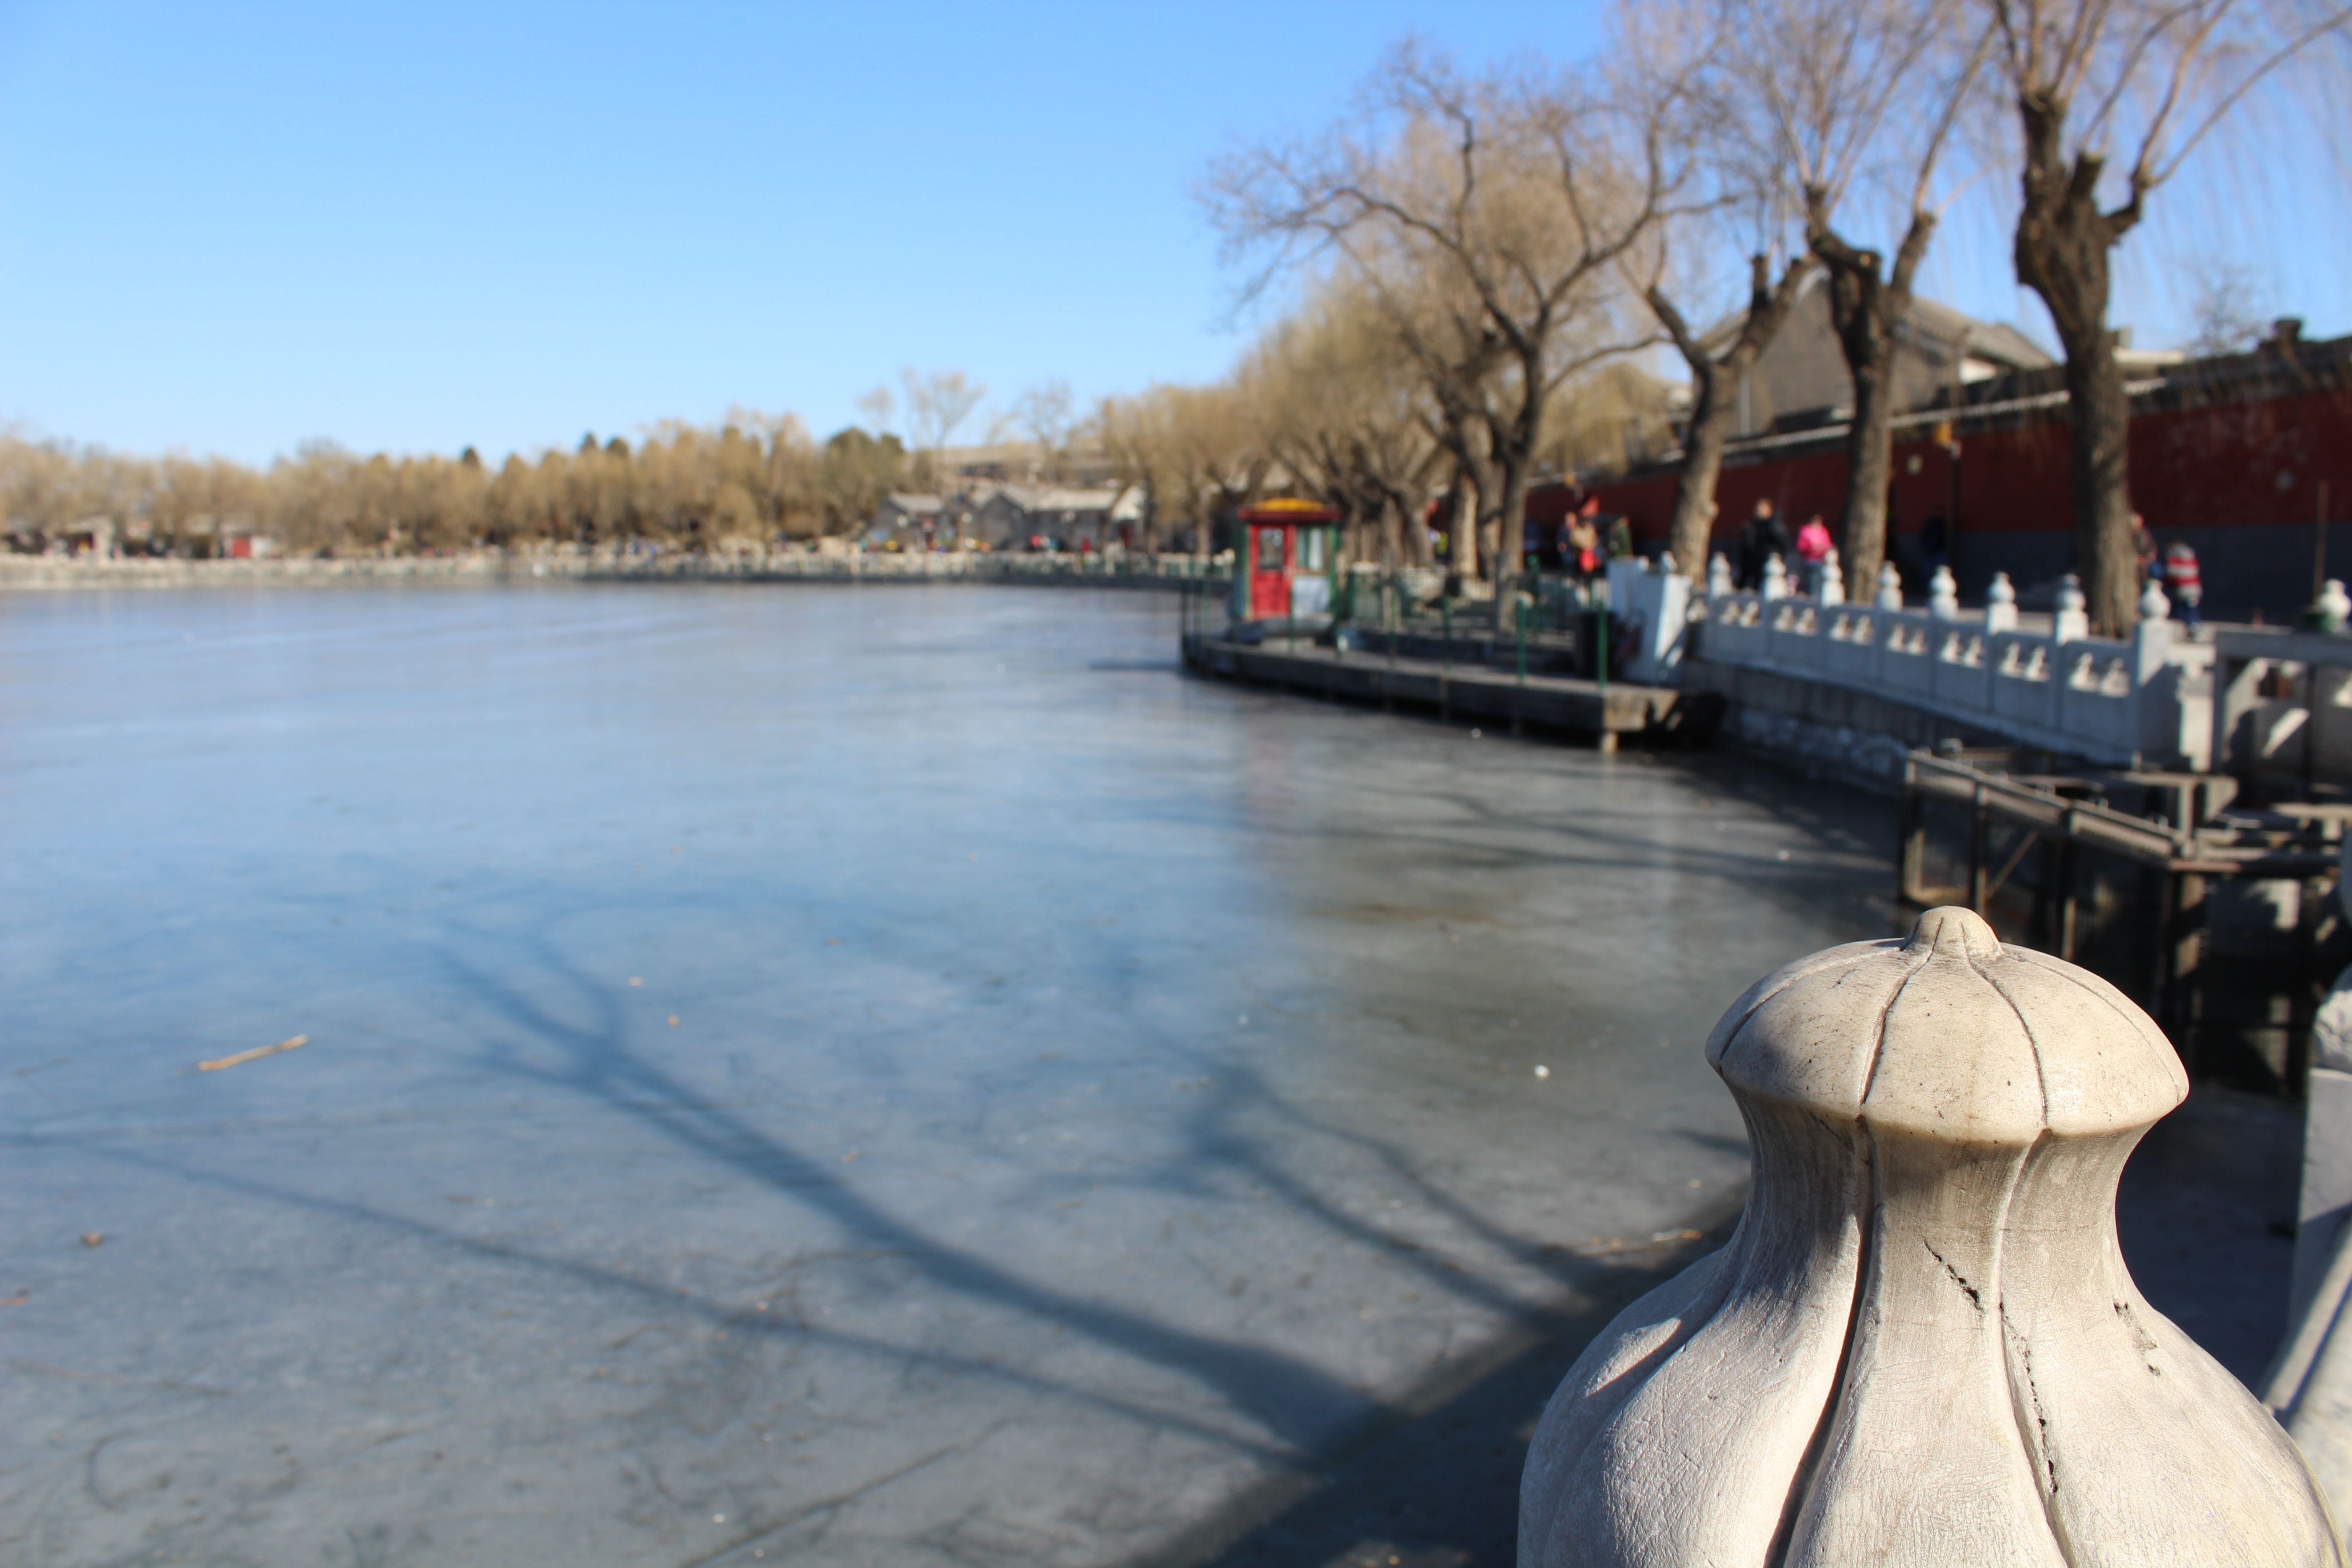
pixel 1812 549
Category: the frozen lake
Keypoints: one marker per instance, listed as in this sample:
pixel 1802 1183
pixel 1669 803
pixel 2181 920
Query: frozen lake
pixel 889 1076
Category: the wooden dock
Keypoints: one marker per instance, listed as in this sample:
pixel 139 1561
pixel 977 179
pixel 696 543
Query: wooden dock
pixel 2182 855
pixel 1464 691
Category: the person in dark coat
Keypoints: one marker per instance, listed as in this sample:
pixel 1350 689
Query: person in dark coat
pixel 1935 543
pixel 1762 537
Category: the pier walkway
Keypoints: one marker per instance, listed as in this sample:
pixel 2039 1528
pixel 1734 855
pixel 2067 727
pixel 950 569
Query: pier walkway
pixel 1604 710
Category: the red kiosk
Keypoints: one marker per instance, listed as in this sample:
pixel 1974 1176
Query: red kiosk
pixel 1288 560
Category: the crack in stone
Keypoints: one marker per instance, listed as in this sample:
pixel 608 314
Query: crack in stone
pixel 2141 1339
pixel 1976 1297
pixel 2033 1396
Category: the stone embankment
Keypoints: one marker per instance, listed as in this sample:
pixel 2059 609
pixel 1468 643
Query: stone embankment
pixel 1167 571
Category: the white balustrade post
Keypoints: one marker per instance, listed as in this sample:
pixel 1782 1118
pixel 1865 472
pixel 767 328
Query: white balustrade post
pixel 1943 596
pixel 2334 606
pixel 1776 578
pixel 2001 605
pixel 2073 622
pixel 1921 1349
pixel 1718 576
pixel 1832 587
pixel 2155 683
pixel 2152 637
pixel 1890 587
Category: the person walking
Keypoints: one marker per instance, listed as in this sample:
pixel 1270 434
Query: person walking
pixel 1935 543
pixel 1584 552
pixel 1620 534
pixel 2183 580
pixel 1813 549
pixel 1762 537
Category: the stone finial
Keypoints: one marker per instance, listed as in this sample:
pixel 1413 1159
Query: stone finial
pixel 1718 576
pixel 1890 587
pixel 2334 606
pixel 1921 1349
pixel 2071 623
pixel 1944 595
pixel 1776 577
pixel 1832 589
pixel 2001 605
pixel 2153 605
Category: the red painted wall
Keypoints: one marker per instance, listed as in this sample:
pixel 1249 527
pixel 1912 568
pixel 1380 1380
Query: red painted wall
pixel 2239 463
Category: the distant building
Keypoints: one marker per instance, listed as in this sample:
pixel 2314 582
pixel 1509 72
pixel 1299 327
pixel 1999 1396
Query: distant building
pixel 1800 380
pixel 913 520
pixel 1010 517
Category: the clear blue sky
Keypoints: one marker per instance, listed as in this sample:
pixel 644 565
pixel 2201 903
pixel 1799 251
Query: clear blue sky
pixel 229 227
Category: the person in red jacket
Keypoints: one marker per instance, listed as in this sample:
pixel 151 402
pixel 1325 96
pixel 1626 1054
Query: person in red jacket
pixel 2182 580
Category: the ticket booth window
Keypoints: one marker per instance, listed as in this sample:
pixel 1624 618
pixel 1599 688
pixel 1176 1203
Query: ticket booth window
pixel 1314 549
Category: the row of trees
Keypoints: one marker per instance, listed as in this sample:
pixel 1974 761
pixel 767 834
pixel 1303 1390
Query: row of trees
pixel 753 478
pixel 1478 259
pixel 1477 267
pixel 1329 400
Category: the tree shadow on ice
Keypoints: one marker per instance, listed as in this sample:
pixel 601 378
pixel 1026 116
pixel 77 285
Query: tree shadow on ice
pixel 1301 1407
pixel 1218 1139
pixel 1435 1484
pixel 1296 1402
pixel 657 1296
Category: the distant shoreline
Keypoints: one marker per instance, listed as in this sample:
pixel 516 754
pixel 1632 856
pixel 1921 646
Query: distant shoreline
pixel 496 568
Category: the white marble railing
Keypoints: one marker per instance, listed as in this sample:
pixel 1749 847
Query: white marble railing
pixel 2109 700
pixel 2280 697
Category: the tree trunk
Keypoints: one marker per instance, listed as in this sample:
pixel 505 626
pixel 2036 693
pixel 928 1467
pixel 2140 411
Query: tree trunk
pixel 1714 382
pixel 1510 530
pixel 1870 471
pixel 2063 245
pixel 1866 307
pixel 1693 527
pixel 1412 533
pixel 2102 436
pixel 1462 528
pixel 1512 443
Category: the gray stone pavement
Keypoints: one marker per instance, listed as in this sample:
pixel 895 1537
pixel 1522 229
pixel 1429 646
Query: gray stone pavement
pixel 833 1076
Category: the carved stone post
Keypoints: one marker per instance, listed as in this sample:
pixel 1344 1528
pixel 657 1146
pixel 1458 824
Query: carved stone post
pixel 2072 621
pixel 1922 1347
pixel 2001 605
pixel 1944 595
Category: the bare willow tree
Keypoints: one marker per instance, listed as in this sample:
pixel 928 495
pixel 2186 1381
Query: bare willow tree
pixel 1691 67
pixel 936 405
pixel 1488 215
pixel 1862 101
pixel 1342 407
pixel 2154 76
pixel 1046 416
pixel 1194 451
pixel 1615 417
